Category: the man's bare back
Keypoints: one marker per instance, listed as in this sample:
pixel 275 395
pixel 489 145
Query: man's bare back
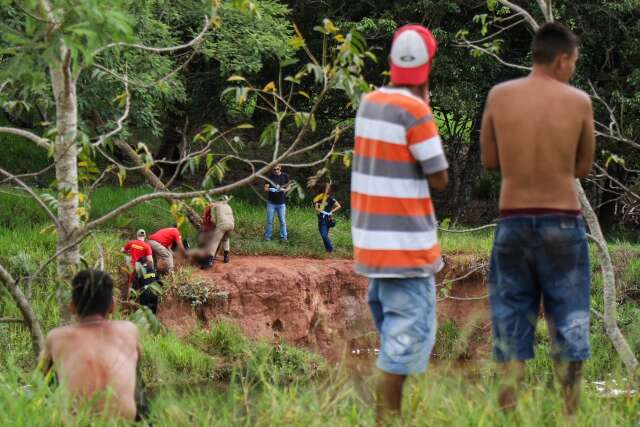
pixel 538 132
pixel 95 356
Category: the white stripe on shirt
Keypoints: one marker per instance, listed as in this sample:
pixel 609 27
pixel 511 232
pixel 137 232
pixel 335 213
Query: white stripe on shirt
pixel 380 131
pixel 394 240
pixel 427 149
pixel 389 187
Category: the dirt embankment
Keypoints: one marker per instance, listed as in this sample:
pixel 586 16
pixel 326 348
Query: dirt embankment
pixel 320 304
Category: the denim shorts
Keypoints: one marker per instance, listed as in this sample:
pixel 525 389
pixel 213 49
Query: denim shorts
pixel 540 258
pixel 404 312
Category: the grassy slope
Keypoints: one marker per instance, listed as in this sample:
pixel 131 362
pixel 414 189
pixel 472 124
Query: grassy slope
pixel 278 385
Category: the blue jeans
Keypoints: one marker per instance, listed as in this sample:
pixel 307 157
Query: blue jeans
pixel 540 258
pixel 271 211
pixel 323 227
pixel 404 312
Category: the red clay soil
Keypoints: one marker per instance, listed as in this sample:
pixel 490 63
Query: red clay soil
pixel 320 304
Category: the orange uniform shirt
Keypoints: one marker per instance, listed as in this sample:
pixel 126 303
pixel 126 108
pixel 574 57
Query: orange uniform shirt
pixel 137 249
pixel 166 236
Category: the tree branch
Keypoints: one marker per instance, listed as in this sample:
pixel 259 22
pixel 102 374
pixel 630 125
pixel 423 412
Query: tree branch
pixel 157 184
pixel 33 195
pixel 521 11
pixel 37 337
pixel 193 42
pixel 468 44
pixel 41 142
pixel 120 121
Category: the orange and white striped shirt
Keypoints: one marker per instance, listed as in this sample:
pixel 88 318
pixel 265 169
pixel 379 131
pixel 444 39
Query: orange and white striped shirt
pixel 392 217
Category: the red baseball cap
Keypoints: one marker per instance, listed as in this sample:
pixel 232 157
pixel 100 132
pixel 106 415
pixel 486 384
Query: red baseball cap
pixel 412 52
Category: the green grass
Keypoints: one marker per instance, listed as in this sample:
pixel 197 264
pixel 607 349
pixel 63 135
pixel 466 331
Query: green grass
pixel 444 396
pixel 21 156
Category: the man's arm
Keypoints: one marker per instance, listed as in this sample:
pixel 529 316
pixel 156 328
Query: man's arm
pixel 336 207
pixel 45 360
pixel 488 143
pixel 183 250
pixel 285 186
pixel 587 143
pixel 439 180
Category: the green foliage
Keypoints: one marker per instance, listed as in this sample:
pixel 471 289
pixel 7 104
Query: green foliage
pixel 447 337
pixel 167 359
pixel 224 339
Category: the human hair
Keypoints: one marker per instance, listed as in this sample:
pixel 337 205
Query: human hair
pixel 92 292
pixel 551 40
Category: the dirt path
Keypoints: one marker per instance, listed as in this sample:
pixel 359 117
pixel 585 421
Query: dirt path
pixel 317 303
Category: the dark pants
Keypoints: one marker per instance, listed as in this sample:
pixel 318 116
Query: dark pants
pixel 323 227
pixel 540 258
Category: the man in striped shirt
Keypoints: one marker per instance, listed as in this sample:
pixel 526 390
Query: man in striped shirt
pixel 398 155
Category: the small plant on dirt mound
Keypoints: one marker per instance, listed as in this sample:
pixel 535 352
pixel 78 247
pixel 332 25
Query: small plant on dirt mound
pixel 195 293
pixel 257 361
pixel 282 364
pixel 223 339
pixel 446 344
pixel 167 360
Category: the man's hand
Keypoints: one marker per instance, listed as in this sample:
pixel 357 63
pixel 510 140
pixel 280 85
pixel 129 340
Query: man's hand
pixel 439 180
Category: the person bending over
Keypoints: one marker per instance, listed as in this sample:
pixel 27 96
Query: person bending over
pixel 138 252
pixel 538 132
pixel 218 224
pixel 162 242
pixel 95 358
pixel 326 205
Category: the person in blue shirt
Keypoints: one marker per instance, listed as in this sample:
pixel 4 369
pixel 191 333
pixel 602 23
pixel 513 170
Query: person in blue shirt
pixel 326 205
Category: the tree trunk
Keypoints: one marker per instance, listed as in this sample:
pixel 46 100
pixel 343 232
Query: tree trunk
pixel 65 152
pixel 157 184
pixel 37 337
pixel 609 286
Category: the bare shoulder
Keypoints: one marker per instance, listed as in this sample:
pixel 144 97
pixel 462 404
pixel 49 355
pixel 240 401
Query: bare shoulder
pixel 502 90
pixel 579 95
pixel 125 327
pixel 59 333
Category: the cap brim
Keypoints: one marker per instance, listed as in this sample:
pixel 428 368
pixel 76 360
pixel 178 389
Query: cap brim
pixel 409 76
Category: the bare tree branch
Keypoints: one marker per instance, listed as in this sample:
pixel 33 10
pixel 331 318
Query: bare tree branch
pixel 468 44
pixel 194 218
pixel 29 175
pixel 196 40
pixel 547 11
pixel 41 142
pixel 33 195
pixel 220 190
pixel 83 235
pixel 493 35
pixel 521 11
pixel 470 230
pixel 37 337
pixel 622 186
pixel 120 121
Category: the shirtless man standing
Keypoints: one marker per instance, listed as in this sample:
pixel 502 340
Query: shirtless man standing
pixel 95 356
pixel 538 131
